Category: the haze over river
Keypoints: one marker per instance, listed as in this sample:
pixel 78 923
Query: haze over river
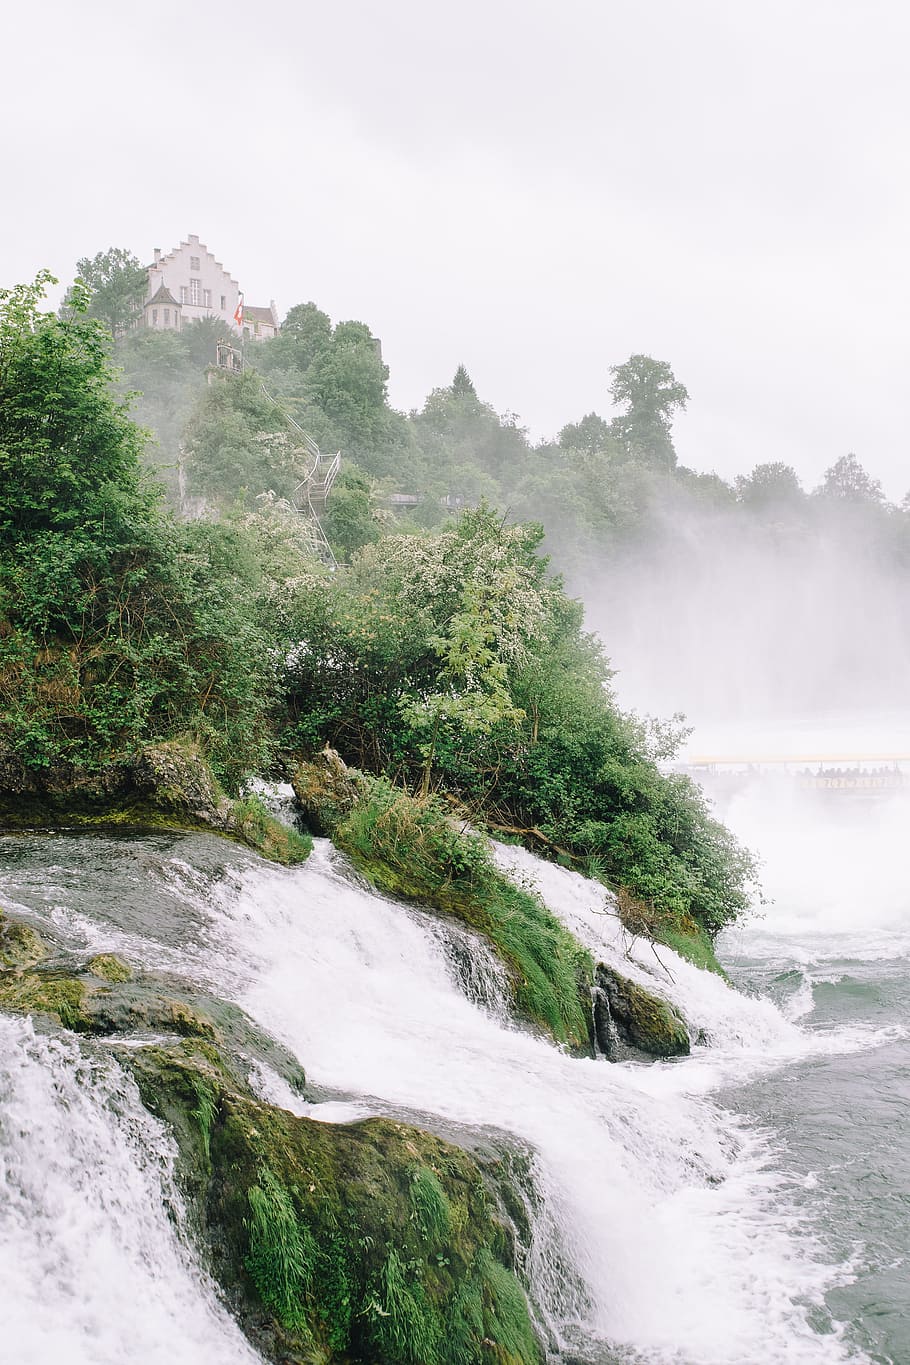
pixel 832 948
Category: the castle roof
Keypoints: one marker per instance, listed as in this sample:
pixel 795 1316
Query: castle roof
pixel 252 314
pixel 163 295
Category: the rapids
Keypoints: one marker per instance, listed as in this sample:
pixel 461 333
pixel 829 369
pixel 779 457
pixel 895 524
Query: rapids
pixel 666 1227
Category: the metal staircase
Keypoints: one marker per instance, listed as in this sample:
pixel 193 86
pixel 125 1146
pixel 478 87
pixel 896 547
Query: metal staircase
pixel 311 494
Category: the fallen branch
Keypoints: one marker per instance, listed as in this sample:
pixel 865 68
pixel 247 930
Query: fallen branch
pixel 531 831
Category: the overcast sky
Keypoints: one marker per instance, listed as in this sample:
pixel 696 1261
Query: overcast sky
pixel 537 190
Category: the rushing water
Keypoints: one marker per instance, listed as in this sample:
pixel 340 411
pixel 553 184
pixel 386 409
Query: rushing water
pixel 94 1267
pixel 721 1210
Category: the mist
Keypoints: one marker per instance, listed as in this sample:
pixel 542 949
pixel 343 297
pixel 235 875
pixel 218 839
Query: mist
pixel 745 627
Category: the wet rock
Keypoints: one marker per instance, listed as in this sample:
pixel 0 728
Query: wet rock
pixel 327 789
pixel 110 967
pixel 366 1241
pixel 628 1016
pixel 166 785
pixel 20 944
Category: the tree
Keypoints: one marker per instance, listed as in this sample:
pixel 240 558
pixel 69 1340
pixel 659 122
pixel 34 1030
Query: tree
pixel 648 394
pixel 68 451
pixel 237 443
pixel 591 435
pixel 463 384
pixel 771 487
pixel 847 481
pixel 306 334
pixel 118 283
pixel 349 523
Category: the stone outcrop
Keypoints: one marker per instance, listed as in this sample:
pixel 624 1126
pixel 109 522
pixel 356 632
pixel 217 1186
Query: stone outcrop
pixel 168 785
pixel 629 1020
pixel 373 1240
pixel 327 789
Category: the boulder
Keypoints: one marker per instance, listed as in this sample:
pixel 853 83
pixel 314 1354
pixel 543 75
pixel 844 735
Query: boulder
pixel 326 789
pixel 626 1016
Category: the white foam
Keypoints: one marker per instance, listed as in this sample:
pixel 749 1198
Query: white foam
pixel 672 1212
pixel 93 1267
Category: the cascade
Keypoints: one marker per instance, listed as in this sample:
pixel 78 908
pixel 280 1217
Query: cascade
pixel 95 1265
pixel 663 1226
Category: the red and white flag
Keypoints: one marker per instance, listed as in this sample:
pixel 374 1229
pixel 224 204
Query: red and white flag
pixel 238 312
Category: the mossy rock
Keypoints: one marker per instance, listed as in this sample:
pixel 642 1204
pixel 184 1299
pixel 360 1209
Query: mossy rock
pixel 107 997
pixel 110 968
pixel 162 786
pixel 59 995
pixel 20 944
pixel 368 1242
pixel 326 789
pixel 639 1020
pixel 251 822
pixel 412 848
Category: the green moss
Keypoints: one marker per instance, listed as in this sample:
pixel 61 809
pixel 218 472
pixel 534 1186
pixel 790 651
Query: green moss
pixel 252 823
pixel 110 968
pixel 411 848
pixel 402 1325
pixel 505 1312
pixel 368 1241
pixel 57 994
pixel 694 944
pixel 430 1205
pixel 281 1252
pixel 204 1112
pixel 162 786
pixel 20 944
pixel 643 1020
pixel 680 932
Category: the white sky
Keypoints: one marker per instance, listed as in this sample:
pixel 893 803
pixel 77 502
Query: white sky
pixel 535 189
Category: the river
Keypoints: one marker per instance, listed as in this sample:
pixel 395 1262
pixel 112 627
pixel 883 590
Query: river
pixel 744 1206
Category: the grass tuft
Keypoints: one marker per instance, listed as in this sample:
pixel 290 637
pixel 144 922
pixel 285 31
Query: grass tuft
pixel 411 847
pixel 281 1252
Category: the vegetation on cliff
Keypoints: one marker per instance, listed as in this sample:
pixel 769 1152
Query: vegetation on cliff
pixel 413 848
pixel 449 661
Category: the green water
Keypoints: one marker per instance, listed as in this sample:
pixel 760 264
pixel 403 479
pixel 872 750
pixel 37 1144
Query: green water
pixel 833 949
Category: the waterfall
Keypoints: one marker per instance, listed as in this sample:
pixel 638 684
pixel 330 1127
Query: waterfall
pixel 94 1266
pixel 664 1228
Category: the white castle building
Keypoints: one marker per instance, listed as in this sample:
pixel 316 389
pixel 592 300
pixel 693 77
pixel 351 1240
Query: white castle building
pixel 188 283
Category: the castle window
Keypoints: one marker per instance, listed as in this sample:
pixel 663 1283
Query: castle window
pixel 206 298
pixel 223 302
pixel 154 317
pixel 167 317
pixel 184 294
pixel 194 263
pixel 194 292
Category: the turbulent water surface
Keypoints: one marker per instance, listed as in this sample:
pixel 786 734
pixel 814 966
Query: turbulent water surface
pixel 746 1206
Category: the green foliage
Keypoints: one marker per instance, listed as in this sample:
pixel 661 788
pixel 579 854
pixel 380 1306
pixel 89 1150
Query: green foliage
pixel 323 1227
pixel 116 626
pixel 349 522
pixel 430 1205
pixel 647 393
pixel 282 1251
pixel 204 1112
pixel 401 1325
pixel 239 445
pixel 269 836
pixel 450 659
pixel 455 660
pixel 412 848
pixel 117 284
pixel 505 1313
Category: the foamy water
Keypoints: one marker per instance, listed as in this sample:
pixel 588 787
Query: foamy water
pixel 93 1267
pixel 665 1225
